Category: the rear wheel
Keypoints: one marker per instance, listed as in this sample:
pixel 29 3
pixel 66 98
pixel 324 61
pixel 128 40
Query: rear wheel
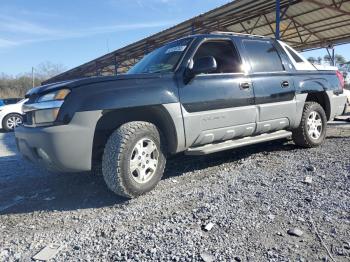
pixel 312 129
pixel 11 121
pixel 134 159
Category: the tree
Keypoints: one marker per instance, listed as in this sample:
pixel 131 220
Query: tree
pixel 311 59
pixel 17 86
pixel 339 59
pixel 327 58
pixel 319 60
pixel 48 69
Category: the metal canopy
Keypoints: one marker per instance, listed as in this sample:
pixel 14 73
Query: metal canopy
pixel 303 24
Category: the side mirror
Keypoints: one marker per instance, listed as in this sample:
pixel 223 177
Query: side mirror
pixel 204 65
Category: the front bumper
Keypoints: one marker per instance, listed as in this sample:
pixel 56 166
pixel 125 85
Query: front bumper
pixel 63 148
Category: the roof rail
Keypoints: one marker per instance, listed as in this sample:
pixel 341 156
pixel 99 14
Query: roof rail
pixel 238 34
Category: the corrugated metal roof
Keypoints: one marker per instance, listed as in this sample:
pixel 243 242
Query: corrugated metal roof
pixel 305 25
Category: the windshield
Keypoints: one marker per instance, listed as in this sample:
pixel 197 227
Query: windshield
pixel 1 103
pixel 163 59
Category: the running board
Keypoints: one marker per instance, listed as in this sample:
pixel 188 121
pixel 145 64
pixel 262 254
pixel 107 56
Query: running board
pixel 230 144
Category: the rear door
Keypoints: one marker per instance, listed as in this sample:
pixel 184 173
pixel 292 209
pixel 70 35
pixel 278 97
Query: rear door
pixel 220 105
pixel 273 85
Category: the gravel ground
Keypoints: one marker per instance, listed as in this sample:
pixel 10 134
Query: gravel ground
pixel 253 197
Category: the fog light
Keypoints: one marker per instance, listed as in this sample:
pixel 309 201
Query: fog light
pixel 42 154
pixel 46 116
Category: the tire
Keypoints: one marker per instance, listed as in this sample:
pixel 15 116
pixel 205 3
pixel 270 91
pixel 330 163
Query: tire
pixel 123 171
pixel 11 121
pixel 313 126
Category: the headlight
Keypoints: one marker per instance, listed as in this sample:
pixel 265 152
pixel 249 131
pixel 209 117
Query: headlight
pixel 58 95
pixel 46 108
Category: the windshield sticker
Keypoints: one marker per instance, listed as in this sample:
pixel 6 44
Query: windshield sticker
pixel 179 48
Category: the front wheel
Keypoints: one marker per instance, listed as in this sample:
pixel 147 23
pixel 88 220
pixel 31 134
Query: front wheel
pixel 11 121
pixel 134 159
pixel 312 129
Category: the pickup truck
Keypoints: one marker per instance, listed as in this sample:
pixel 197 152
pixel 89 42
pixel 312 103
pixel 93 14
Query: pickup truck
pixel 198 95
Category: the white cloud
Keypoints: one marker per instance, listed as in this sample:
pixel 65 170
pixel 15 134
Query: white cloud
pixel 25 32
pixel 139 3
pixel 6 43
pixel 13 25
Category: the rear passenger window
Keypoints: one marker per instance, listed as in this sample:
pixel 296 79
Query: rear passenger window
pixel 295 56
pixel 226 55
pixel 263 56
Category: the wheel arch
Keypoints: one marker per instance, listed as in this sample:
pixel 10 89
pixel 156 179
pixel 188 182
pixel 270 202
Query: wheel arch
pixel 321 98
pixel 112 119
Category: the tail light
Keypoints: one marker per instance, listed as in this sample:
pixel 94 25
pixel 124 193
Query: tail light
pixel 341 79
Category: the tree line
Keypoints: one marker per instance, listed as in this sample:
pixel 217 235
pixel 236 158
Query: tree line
pixel 17 86
pixel 339 59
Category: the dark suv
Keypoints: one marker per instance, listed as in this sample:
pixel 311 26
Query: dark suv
pixel 199 95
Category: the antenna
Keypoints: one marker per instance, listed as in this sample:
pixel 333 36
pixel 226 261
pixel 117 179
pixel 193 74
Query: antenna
pixel 33 80
pixel 107 43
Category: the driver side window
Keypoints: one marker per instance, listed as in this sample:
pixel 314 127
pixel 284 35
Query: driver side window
pixel 225 54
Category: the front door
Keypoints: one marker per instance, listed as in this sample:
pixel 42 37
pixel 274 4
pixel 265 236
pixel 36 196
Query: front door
pixel 218 106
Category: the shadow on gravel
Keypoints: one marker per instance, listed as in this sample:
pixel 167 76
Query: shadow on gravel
pixel 339 123
pixel 42 191
pixel 180 164
pixel 24 188
pixel 8 141
pixel 335 137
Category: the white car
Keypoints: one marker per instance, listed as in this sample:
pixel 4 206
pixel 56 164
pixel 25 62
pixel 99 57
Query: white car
pixel 347 105
pixel 11 116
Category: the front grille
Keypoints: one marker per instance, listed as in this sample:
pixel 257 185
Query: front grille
pixel 28 119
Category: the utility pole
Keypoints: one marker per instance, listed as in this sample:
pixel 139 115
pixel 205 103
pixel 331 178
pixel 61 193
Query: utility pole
pixel 33 80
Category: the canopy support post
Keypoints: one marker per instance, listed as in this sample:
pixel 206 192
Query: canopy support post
pixel 278 19
pixel 96 69
pixel 331 56
pixel 116 65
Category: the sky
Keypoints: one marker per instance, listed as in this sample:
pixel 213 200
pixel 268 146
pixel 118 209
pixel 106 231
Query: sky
pixel 76 31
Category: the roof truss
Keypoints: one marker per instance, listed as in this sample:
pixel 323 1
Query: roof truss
pixel 305 24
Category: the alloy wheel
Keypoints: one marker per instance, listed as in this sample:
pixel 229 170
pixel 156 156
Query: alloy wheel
pixel 144 160
pixel 314 125
pixel 13 121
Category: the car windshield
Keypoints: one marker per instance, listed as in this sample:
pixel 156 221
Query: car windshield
pixel 2 102
pixel 163 59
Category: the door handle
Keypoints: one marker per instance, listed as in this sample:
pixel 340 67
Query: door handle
pixel 244 85
pixel 285 84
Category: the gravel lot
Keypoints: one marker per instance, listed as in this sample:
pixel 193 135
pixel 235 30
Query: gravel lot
pixel 253 196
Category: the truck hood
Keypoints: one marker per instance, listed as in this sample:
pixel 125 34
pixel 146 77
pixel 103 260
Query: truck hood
pixel 71 84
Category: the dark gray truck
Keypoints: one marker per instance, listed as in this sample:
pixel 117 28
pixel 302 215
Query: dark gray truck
pixel 199 95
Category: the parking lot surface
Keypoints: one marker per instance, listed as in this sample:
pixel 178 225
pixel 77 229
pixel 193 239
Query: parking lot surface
pixel 269 202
